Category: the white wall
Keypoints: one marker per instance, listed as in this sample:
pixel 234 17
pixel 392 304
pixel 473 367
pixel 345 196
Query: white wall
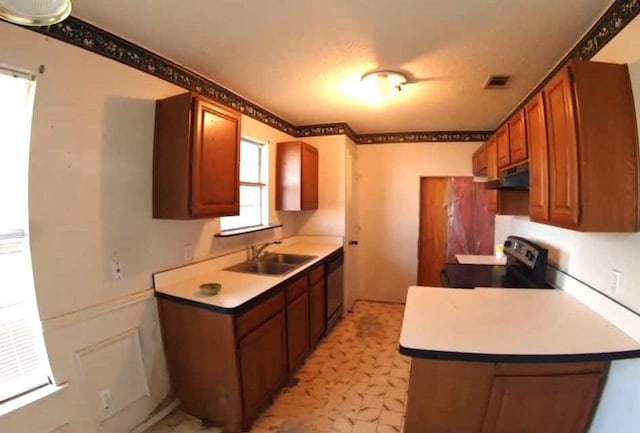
pixel 389 204
pixel 90 199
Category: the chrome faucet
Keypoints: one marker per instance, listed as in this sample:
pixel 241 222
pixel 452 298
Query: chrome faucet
pixel 257 250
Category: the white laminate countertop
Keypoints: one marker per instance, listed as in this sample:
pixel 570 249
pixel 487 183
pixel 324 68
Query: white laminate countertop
pixel 239 288
pixel 493 324
pixel 474 259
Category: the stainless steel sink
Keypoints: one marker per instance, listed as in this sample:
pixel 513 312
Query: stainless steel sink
pixel 272 264
pixel 289 259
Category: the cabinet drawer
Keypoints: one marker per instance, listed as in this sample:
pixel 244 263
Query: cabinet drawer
pixel 297 287
pixel 259 313
pixel 545 369
pixel 316 274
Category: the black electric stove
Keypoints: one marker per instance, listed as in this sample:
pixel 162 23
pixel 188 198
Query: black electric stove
pixel 526 268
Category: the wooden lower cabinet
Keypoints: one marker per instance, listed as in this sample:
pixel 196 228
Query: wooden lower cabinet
pixel 225 367
pixel 263 364
pixel 472 397
pixel 298 330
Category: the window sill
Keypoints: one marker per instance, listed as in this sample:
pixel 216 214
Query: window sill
pixel 242 231
pixel 29 398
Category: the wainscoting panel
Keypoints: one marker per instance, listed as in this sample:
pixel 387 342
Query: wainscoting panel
pixel 112 375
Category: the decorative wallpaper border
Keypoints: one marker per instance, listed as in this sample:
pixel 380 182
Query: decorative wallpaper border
pixel 84 35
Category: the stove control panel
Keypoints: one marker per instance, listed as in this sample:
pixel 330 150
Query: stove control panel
pixel 525 252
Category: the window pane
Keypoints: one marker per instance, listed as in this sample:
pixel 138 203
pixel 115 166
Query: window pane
pixel 250 209
pixel 249 162
pixel 23 364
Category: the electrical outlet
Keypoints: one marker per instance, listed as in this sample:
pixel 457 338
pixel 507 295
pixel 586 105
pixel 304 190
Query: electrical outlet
pixel 187 252
pixel 116 269
pixel 615 282
pixel 105 396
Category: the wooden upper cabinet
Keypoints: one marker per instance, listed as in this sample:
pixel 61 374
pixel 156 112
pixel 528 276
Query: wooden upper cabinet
pixel 479 160
pixel 296 176
pixel 564 205
pixel 195 159
pixel 538 156
pixel 502 142
pixel 492 172
pixel 517 138
pixel 592 148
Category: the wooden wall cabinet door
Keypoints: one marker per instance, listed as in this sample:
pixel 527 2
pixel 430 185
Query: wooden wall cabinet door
pixel 479 161
pixel 592 148
pixel 263 364
pixel 492 172
pixel 317 304
pixel 502 143
pixel 538 159
pixel 542 404
pixel 296 176
pixel 564 200
pixel 195 159
pixel 517 138
pixel 297 321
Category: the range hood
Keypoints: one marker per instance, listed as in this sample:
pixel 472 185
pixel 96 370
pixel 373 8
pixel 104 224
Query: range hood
pixel 515 178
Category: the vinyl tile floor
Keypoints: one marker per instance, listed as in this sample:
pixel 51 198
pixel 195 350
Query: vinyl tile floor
pixel 355 381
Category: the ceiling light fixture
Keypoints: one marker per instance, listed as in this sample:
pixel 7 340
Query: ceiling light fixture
pixel 34 12
pixel 384 83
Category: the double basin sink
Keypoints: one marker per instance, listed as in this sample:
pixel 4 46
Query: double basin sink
pixel 272 264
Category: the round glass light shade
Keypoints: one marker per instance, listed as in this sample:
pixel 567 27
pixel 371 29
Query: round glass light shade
pixel 384 83
pixel 35 12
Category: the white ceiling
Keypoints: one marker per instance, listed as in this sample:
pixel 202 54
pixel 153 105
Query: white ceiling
pixel 300 59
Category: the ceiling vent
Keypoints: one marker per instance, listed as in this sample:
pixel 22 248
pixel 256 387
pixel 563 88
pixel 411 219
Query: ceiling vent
pixel 496 82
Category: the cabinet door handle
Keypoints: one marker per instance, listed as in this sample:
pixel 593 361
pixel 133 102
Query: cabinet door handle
pixel 353 242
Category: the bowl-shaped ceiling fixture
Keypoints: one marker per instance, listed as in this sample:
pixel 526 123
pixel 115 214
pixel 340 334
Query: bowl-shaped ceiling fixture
pixel 34 12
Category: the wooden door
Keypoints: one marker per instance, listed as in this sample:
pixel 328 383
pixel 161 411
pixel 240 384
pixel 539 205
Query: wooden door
pixel 502 143
pixel 309 187
pixel 538 159
pixel 215 181
pixel 263 364
pixel 297 330
pixel 492 173
pixel 432 242
pixel 352 226
pixel 564 204
pixel 542 404
pixel 517 138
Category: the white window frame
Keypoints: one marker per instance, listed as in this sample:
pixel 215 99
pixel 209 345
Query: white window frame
pixel 24 366
pixel 227 224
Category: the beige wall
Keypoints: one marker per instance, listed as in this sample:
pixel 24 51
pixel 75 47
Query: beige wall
pixel 329 219
pixel 90 199
pixel 388 211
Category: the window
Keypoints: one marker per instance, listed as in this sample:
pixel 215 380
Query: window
pixel 254 210
pixel 23 364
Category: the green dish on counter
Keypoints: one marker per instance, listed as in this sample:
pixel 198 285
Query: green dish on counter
pixel 210 289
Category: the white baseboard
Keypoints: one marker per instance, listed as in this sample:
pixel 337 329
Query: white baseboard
pixel 157 417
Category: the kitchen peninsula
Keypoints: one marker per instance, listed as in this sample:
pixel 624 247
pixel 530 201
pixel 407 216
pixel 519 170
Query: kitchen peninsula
pixel 504 360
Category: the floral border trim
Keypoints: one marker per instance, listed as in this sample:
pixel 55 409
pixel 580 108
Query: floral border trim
pixel 84 35
pixel 423 136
